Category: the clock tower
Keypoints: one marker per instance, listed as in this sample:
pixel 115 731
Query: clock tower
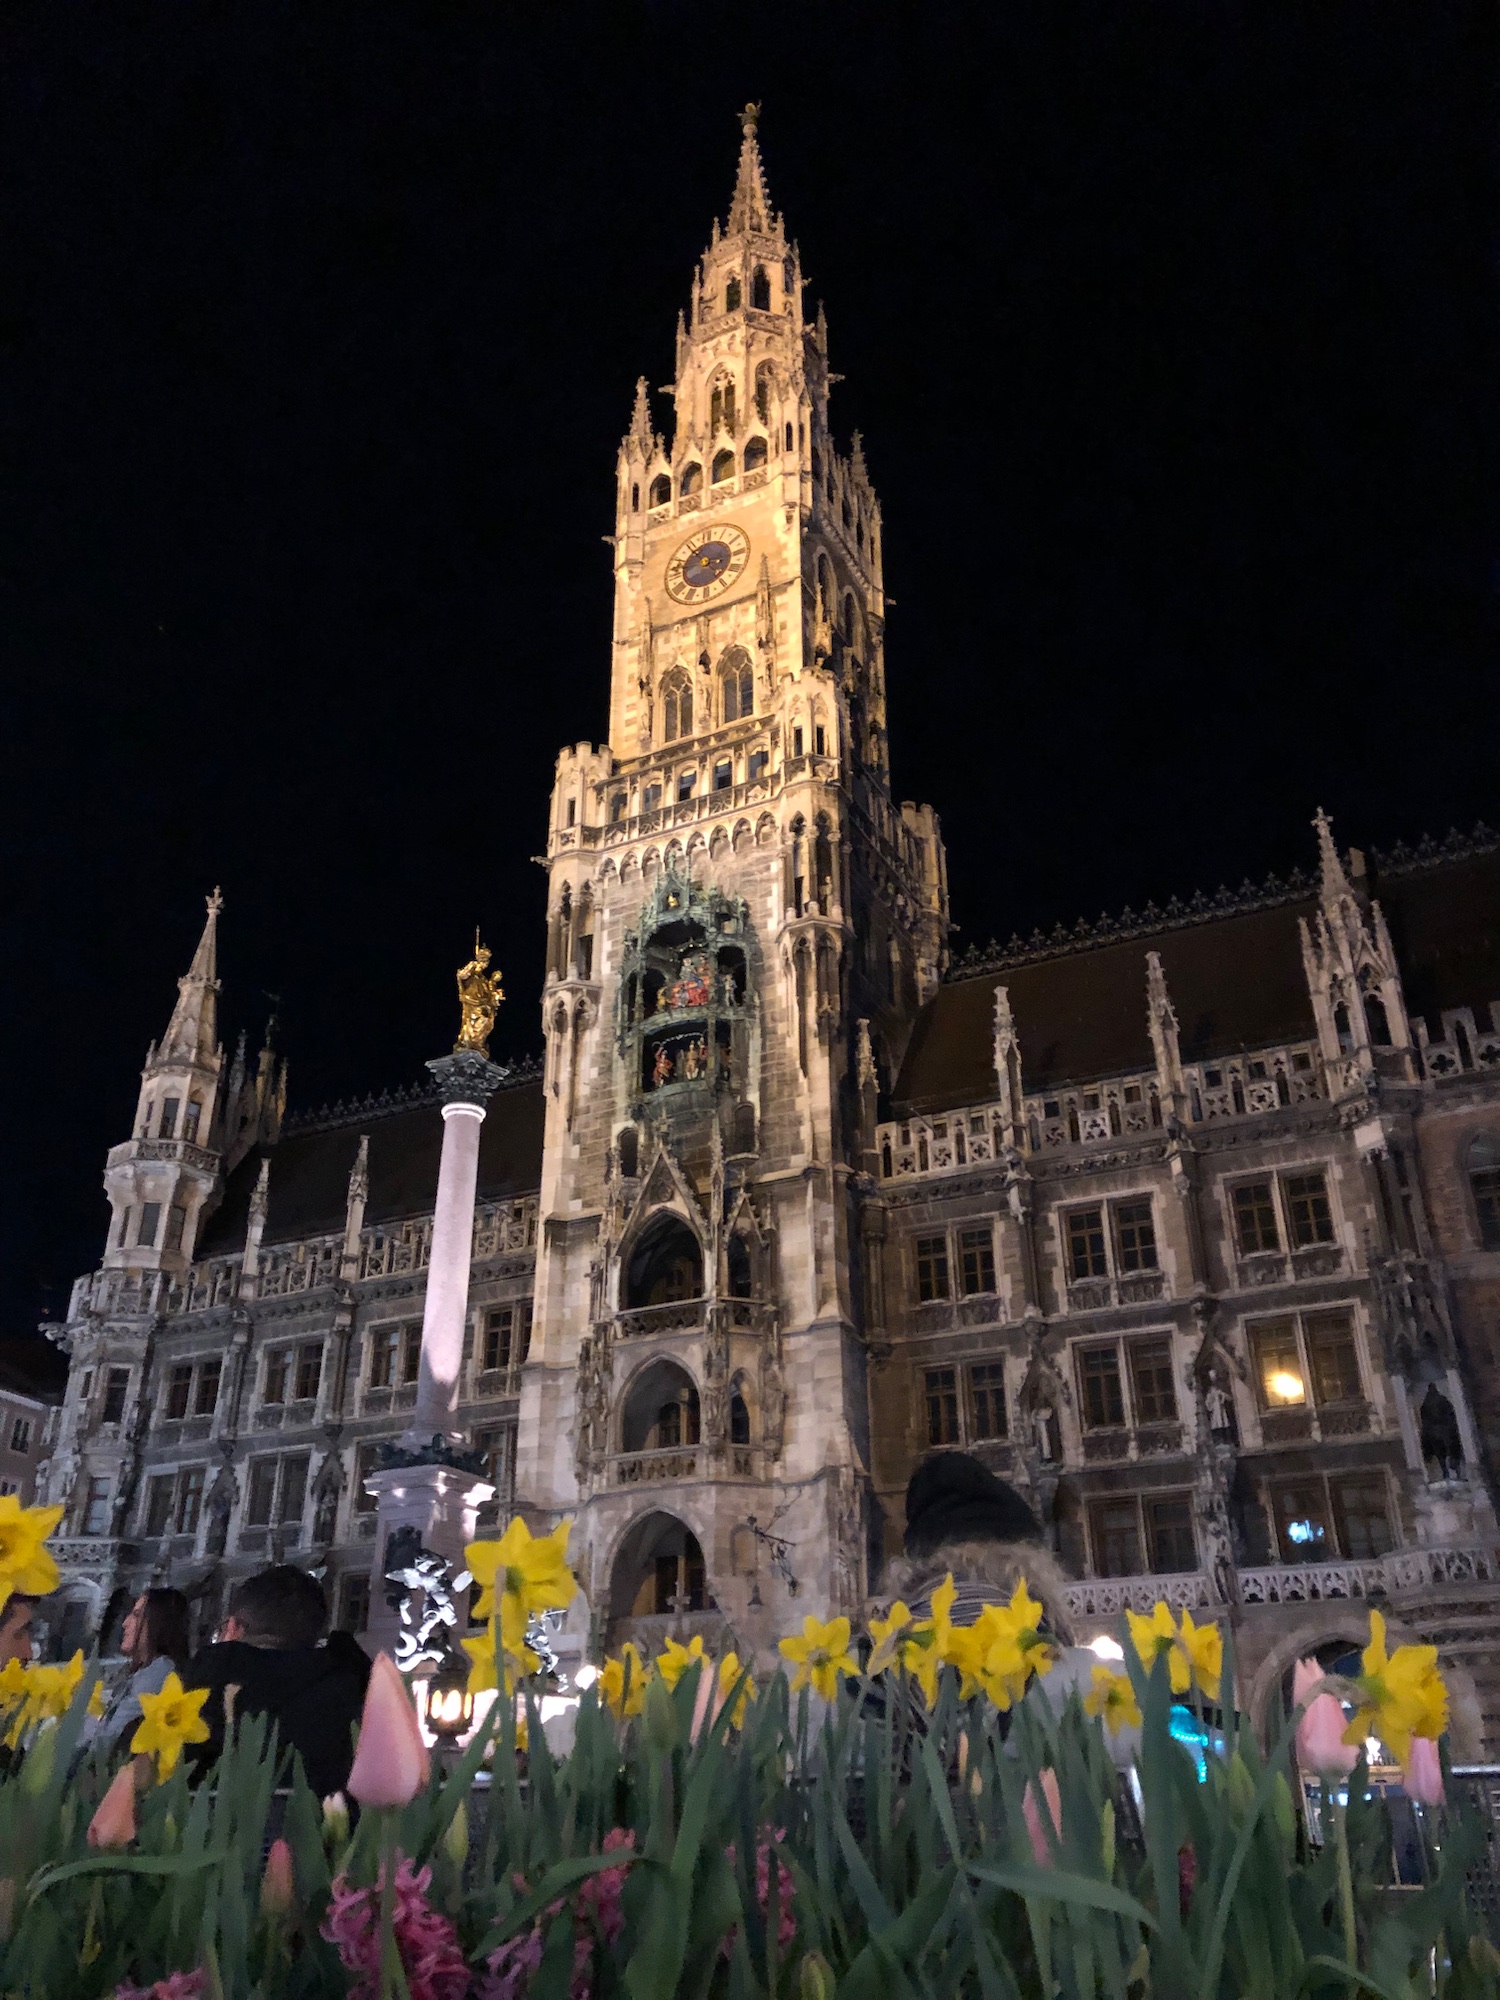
pixel 742 923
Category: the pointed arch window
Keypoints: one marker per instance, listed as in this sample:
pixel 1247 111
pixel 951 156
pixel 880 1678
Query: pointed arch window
pixel 789 444
pixel 755 454
pixel 635 497
pixel 661 490
pixel 721 408
pixel 737 685
pixel 760 290
pixel 723 467
pixel 765 376
pixel 691 481
pixel 732 296
pixel 676 707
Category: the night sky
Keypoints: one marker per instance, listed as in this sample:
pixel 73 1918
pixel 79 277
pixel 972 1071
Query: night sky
pixel 1170 331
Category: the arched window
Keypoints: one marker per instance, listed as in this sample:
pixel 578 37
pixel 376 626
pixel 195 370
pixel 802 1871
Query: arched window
pixel 666 1265
pixel 1341 1027
pixel 755 454
pixel 635 497
pixel 737 685
pixel 691 481
pixel 732 296
pixel 760 289
pixel 765 375
pixel 1377 1020
pixel 628 1151
pixel 661 489
pixel 1484 1184
pixel 739 1419
pixel 817 466
pixel 659 1570
pixel 789 444
pixel 721 408
pixel 723 467
pixel 676 707
pixel 737 1257
pixel 661 1409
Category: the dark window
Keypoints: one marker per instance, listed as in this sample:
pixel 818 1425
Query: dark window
pixel 755 453
pixel 96 1508
pixel 523 1332
pixel 159 1504
pixel 942 1405
pixel 1151 1381
pixel 1484 1179
pixel 676 710
pixel 987 1398
pixel 723 467
pixel 1255 1217
pixel 411 1353
pixel 685 784
pixel 759 759
pixel 1278 1365
pixel 1377 1022
pixel 354 1602
pixel 190 1123
pixel 1103 1400
pixel 1308 1213
pixel 1330 1350
pixel 732 296
pixel 797 741
pixel 651 799
pixel 788 437
pixel 1362 1517
pixel 149 1224
pixel 976 1260
pixel 262 1495
pixel 179 1388
pixel 176 1226
pixel 739 1419
pixel 1170 1542
pixel 167 1129
pixel 723 775
pixel 1135 1238
pixel 617 808
pixel 20 1434
pixel 115 1385
pixel 206 1400
pixel 932 1267
pixel 366 1461
pixel 691 480
pixel 661 490
pixel 278 1367
pixel 1116 1537
pixel 1086 1257
pixel 760 290
pixel 385 1352
pixel 738 689
pixel 497 1337
pixel 635 498
pixel 293 1490
pixel 1303 1531
pixel 309 1371
pixel 189 1500
pixel 820 741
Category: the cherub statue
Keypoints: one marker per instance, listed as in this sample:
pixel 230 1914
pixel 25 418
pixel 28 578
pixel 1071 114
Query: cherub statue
pixel 479 997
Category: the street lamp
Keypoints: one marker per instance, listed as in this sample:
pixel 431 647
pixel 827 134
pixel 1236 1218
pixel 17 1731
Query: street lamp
pixel 450 1706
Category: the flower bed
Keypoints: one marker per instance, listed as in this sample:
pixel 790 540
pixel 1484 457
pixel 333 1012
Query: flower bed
pixel 919 1822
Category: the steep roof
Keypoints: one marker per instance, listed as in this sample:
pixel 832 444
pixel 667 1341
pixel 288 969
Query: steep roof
pixel 32 1366
pixel 309 1182
pixel 1235 976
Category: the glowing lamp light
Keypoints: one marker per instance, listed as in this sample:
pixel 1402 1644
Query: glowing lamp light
pixel 1285 1387
pixel 450 1706
pixel 585 1677
pixel 1304 1531
pixel 1106 1648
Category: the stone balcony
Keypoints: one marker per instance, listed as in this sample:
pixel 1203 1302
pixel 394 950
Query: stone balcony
pixel 1393 1575
pixel 696 1316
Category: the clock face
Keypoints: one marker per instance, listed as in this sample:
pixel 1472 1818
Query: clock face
pixel 707 563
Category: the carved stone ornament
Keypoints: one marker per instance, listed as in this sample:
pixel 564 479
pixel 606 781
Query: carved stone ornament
pixel 466 1077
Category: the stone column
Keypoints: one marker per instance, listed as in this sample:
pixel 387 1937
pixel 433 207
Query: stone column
pixel 428 1485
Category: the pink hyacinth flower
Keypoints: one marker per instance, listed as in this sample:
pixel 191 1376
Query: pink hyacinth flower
pixel 1320 1733
pixel 391 1763
pixel 1031 1812
pixel 113 1824
pixel 1422 1779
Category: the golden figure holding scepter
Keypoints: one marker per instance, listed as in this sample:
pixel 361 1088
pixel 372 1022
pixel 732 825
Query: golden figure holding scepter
pixel 479 997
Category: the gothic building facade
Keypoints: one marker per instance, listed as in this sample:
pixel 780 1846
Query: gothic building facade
pixel 1190 1226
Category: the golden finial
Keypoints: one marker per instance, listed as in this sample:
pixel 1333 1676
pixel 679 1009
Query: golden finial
pixel 749 120
pixel 479 998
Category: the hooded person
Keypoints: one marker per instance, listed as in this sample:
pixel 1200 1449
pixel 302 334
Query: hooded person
pixel 268 1651
pixel 965 1522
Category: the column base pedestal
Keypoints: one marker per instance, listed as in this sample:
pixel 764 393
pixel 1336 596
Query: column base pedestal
pixel 437 1498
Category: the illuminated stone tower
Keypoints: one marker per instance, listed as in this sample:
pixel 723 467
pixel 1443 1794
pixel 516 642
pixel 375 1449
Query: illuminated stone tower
pixel 742 924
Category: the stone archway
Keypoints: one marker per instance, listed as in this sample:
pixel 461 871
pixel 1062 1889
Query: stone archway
pixel 658 1585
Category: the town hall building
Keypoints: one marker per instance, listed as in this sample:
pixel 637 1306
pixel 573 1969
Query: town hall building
pixel 1188 1224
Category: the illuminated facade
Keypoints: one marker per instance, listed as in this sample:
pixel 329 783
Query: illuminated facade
pixel 1190 1226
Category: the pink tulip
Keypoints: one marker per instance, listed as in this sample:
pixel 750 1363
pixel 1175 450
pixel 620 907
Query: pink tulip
pixel 1320 1733
pixel 390 1764
pixel 1031 1812
pixel 706 1702
pixel 113 1825
pixel 1422 1778
pixel 278 1886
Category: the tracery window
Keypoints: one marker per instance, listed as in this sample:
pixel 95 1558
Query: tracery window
pixel 760 290
pixel 676 707
pixel 737 685
pixel 661 489
pixel 765 375
pixel 732 296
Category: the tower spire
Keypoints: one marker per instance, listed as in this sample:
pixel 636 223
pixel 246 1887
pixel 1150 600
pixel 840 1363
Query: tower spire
pixel 192 1031
pixel 750 205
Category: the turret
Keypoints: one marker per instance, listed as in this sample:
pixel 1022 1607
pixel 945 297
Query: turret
pixel 159 1181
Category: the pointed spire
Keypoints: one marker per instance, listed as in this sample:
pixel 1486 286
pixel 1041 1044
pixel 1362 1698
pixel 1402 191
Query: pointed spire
pixel 1161 1025
pixel 857 460
pixel 1333 880
pixel 192 1031
pixel 750 205
pixel 640 416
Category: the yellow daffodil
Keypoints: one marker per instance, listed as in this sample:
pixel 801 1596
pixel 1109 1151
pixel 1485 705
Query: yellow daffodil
pixel 1202 1648
pixel 24 1564
pixel 909 1643
pixel 1156 1639
pixel 171 1719
pixel 1400 1695
pixel 485 1655
pixel 12 1684
pixel 890 1635
pixel 673 1661
pixel 820 1653
pixel 528 1573
pixel 46 1693
pixel 622 1683
pixel 729 1673
pixel 1113 1699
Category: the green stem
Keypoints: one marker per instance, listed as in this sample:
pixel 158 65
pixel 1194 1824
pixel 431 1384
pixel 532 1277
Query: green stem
pixel 388 1954
pixel 1340 1809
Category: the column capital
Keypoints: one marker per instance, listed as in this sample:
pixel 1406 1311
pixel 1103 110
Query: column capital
pixel 466 1077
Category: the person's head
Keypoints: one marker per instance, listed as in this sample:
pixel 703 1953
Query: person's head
pixel 281 1608
pixel 156 1626
pixel 15 1629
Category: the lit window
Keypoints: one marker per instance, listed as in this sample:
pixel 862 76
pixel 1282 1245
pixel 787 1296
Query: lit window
pixel 1303 1528
pixel 942 1405
pixel 1278 1365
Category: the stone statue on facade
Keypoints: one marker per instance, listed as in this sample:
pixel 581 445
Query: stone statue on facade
pixel 479 998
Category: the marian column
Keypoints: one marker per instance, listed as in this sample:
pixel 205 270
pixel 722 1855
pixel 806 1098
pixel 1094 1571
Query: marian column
pixel 429 1487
